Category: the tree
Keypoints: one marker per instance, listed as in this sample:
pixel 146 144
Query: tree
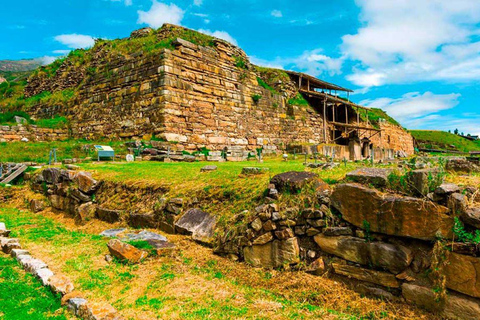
pixel 449 131
pixel 456 131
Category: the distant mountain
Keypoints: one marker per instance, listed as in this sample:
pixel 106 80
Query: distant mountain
pixel 19 65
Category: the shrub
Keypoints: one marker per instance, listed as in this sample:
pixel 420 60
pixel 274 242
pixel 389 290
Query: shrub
pixel 256 98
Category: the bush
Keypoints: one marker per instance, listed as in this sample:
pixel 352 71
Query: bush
pixel 256 98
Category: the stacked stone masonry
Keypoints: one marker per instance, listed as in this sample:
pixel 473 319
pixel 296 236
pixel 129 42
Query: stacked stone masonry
pixel 194 96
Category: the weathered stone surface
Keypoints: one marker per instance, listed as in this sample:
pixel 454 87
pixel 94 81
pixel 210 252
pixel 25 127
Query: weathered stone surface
pixel 86 211
pixel 253 170
pixel 394 258
pixel 457 203
pixel 471 217
pixel 263 239
pixel 74 304
pixel 422 180
pixel 79 195
pixel 317 267
pixel 86 183
pixel 391 214
pixel 60 284
pixel 375 176
pixel 51 175
pixel 274 254
pixel 125 251
pixel 463 274
pixel 376 277
pixel 34 264
pixel 139 220
pixel 454 307
pixel 284 234
pixel 208 168
pixel 97 311
pixel 447 188
pixel 111 233
pixel 18 252
pixel 37 205
pixel 58 202
pixel 461 165
pixel 200 224
pixel 44 275
pixel 143 235
pixel 338 231
pixel 257 224
pixel 293 181
pixel 108 215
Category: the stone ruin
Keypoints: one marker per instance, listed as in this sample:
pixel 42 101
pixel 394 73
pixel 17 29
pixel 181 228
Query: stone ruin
pixel 210 97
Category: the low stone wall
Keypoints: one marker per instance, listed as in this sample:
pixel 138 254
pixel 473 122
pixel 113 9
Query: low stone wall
pixel 391 246
pixel 32 133
pixel 59 284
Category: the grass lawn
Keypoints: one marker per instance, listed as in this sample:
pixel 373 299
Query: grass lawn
pixel 190 283
pixel 22 297
pixel 224 192
pixel 39 151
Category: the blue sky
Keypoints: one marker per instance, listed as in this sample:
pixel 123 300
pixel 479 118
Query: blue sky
pixel 418 60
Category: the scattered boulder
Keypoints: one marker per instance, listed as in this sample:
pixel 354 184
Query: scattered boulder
pixel 293 181
pixel 110 216
pixel 143 235
pixel 112 233
pixel 126 252
pixel 253 170
pixel 377 277
pixel 422 181
pixel 447 189
pixel 471 217
pixel 317 267
pixel 86 183
pixel 394 258
pixel 338 231
pixel 37 205
pixel 375 176
pixel 461 166
pixel 274 254
pixel 86 211
pixel 208 168
pixel 60 284
pixel 197 223
pixel 391 214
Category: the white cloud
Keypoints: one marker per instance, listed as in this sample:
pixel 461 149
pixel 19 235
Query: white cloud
pixel 127 2
pixel 412 109
pixel 46 60
pixel 159 14
pixel 411 40
pixel 76 41
pixel 62 52
pixel 220 35
pixel 198 2
pixel 277 13
pixel 315 63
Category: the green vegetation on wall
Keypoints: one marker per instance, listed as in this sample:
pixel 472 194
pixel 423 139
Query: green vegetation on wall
pixel 375 115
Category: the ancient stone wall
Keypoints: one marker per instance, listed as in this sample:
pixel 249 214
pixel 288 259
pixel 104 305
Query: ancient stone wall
pixel 32 133
pixel 191 95
pixel 394 137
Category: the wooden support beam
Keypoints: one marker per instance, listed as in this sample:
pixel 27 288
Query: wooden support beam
pixel 325 120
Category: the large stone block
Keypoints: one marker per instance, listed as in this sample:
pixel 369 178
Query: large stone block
pixel 394 258
pixel 126 252
pixel 200 224
pixel 375 176
pixel 377 277
pixel 463 274
pixel 274 254
pixel 454 307
pixel 391 214
pixel 293 181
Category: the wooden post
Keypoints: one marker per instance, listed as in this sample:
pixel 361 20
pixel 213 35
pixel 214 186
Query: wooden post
pixel 325 119
pixel 346 114
pixel 333 112
pixel 300 83
pixel 308 84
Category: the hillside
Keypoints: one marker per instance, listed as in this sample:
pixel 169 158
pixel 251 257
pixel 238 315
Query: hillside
pixel 19 65
pixel 432 139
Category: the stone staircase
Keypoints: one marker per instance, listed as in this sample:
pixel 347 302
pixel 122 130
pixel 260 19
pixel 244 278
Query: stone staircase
pixel 13 173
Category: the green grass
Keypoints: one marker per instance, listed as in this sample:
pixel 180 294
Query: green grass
pixel 299 100
pixel 56 122
pixel 38 151
pixel 374 116
pixel 22 297
pixel 432 139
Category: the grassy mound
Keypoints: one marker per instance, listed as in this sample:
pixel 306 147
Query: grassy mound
pixel 432 139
